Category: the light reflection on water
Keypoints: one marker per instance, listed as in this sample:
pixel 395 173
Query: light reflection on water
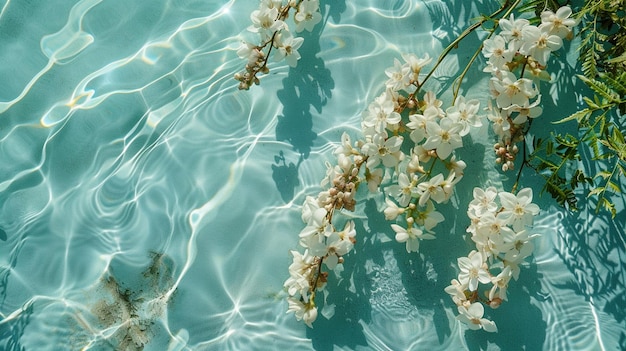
pixel 136 180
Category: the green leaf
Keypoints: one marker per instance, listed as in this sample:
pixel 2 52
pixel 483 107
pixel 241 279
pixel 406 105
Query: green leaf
pixel 549 148
pixel 592 104
pixel 578 116
pixel 617 137
pixel 614 187
pixel 618 84
pixel 603 202
pixel 600 88
pixel 595 191
pixel 603 174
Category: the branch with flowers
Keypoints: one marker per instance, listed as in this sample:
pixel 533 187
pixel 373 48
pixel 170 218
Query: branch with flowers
pixel 407 153
pixel 275 36
pixel 517 59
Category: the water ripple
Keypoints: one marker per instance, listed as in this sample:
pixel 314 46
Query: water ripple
pixel 145 202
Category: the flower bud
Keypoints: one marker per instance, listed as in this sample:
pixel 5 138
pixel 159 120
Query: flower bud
pixel 410 221
pixel 495 302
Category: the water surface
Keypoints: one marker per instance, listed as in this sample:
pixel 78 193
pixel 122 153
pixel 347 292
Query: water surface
pixel 147 203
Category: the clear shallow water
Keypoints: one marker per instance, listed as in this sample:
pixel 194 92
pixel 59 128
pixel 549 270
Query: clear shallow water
pixel 145 200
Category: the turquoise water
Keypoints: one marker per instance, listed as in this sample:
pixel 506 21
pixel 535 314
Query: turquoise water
pixel 144 200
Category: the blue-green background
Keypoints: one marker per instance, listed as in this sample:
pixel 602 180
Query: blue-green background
pixel 138 184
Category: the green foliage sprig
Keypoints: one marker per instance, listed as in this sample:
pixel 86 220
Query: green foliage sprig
pixel 600 124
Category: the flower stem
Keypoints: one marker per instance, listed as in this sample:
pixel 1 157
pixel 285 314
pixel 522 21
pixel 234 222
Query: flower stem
pixel 506 6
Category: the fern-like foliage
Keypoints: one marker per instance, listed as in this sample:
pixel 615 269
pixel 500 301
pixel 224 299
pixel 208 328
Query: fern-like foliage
pixel 603 39
pixel 592 159
pixel 551 159
pixel 600 134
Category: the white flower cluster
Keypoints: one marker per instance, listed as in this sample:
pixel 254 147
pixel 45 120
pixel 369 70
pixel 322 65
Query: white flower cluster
pixel 517 59
pixel 395 121
pixel 502 243
pixel 398 120
pixel 322 242
pixel 268 21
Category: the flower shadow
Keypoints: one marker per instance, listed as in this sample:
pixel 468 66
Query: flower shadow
pixel 351 295
pixel 285 176
pixel 308 85
pixel 448 25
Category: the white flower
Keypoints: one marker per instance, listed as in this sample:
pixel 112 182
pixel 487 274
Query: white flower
pixel 385 151
pixel 288 47
pixel 248 51
pixel 402 191
pixel 379 114
pixel 495 49
pixel 484 200
pixel 456 166
pixel 373 178
pixel 336 248
pixel 428 217
pixel 308 209
pixel 448 184
pixel 473 270
pixel 308 15
pixel 443 136
pixel 265 23
pixel 415 65
pixel 521 247
pixel 331 173
pixel 317 224
pixel 519 208
pixel 346 146
pixel 500 284
pixel 456 292
pixel 539 44
pixel 430 100
pixel 301 263
pixel 414 164
pixel 494 225
pixel 398 76
pixel 423 154
pixel 465 113
pixel 417 123
pixel 500 124
pixel 410 236
pixel 558 23
pixel 511 30
pixel 472 316
pixel 511 90
pixel 528 110
pixel 431 190
pixel 305 312
pixel 271 4
pixel 489 235
pixel 299 271
pixel 392 211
